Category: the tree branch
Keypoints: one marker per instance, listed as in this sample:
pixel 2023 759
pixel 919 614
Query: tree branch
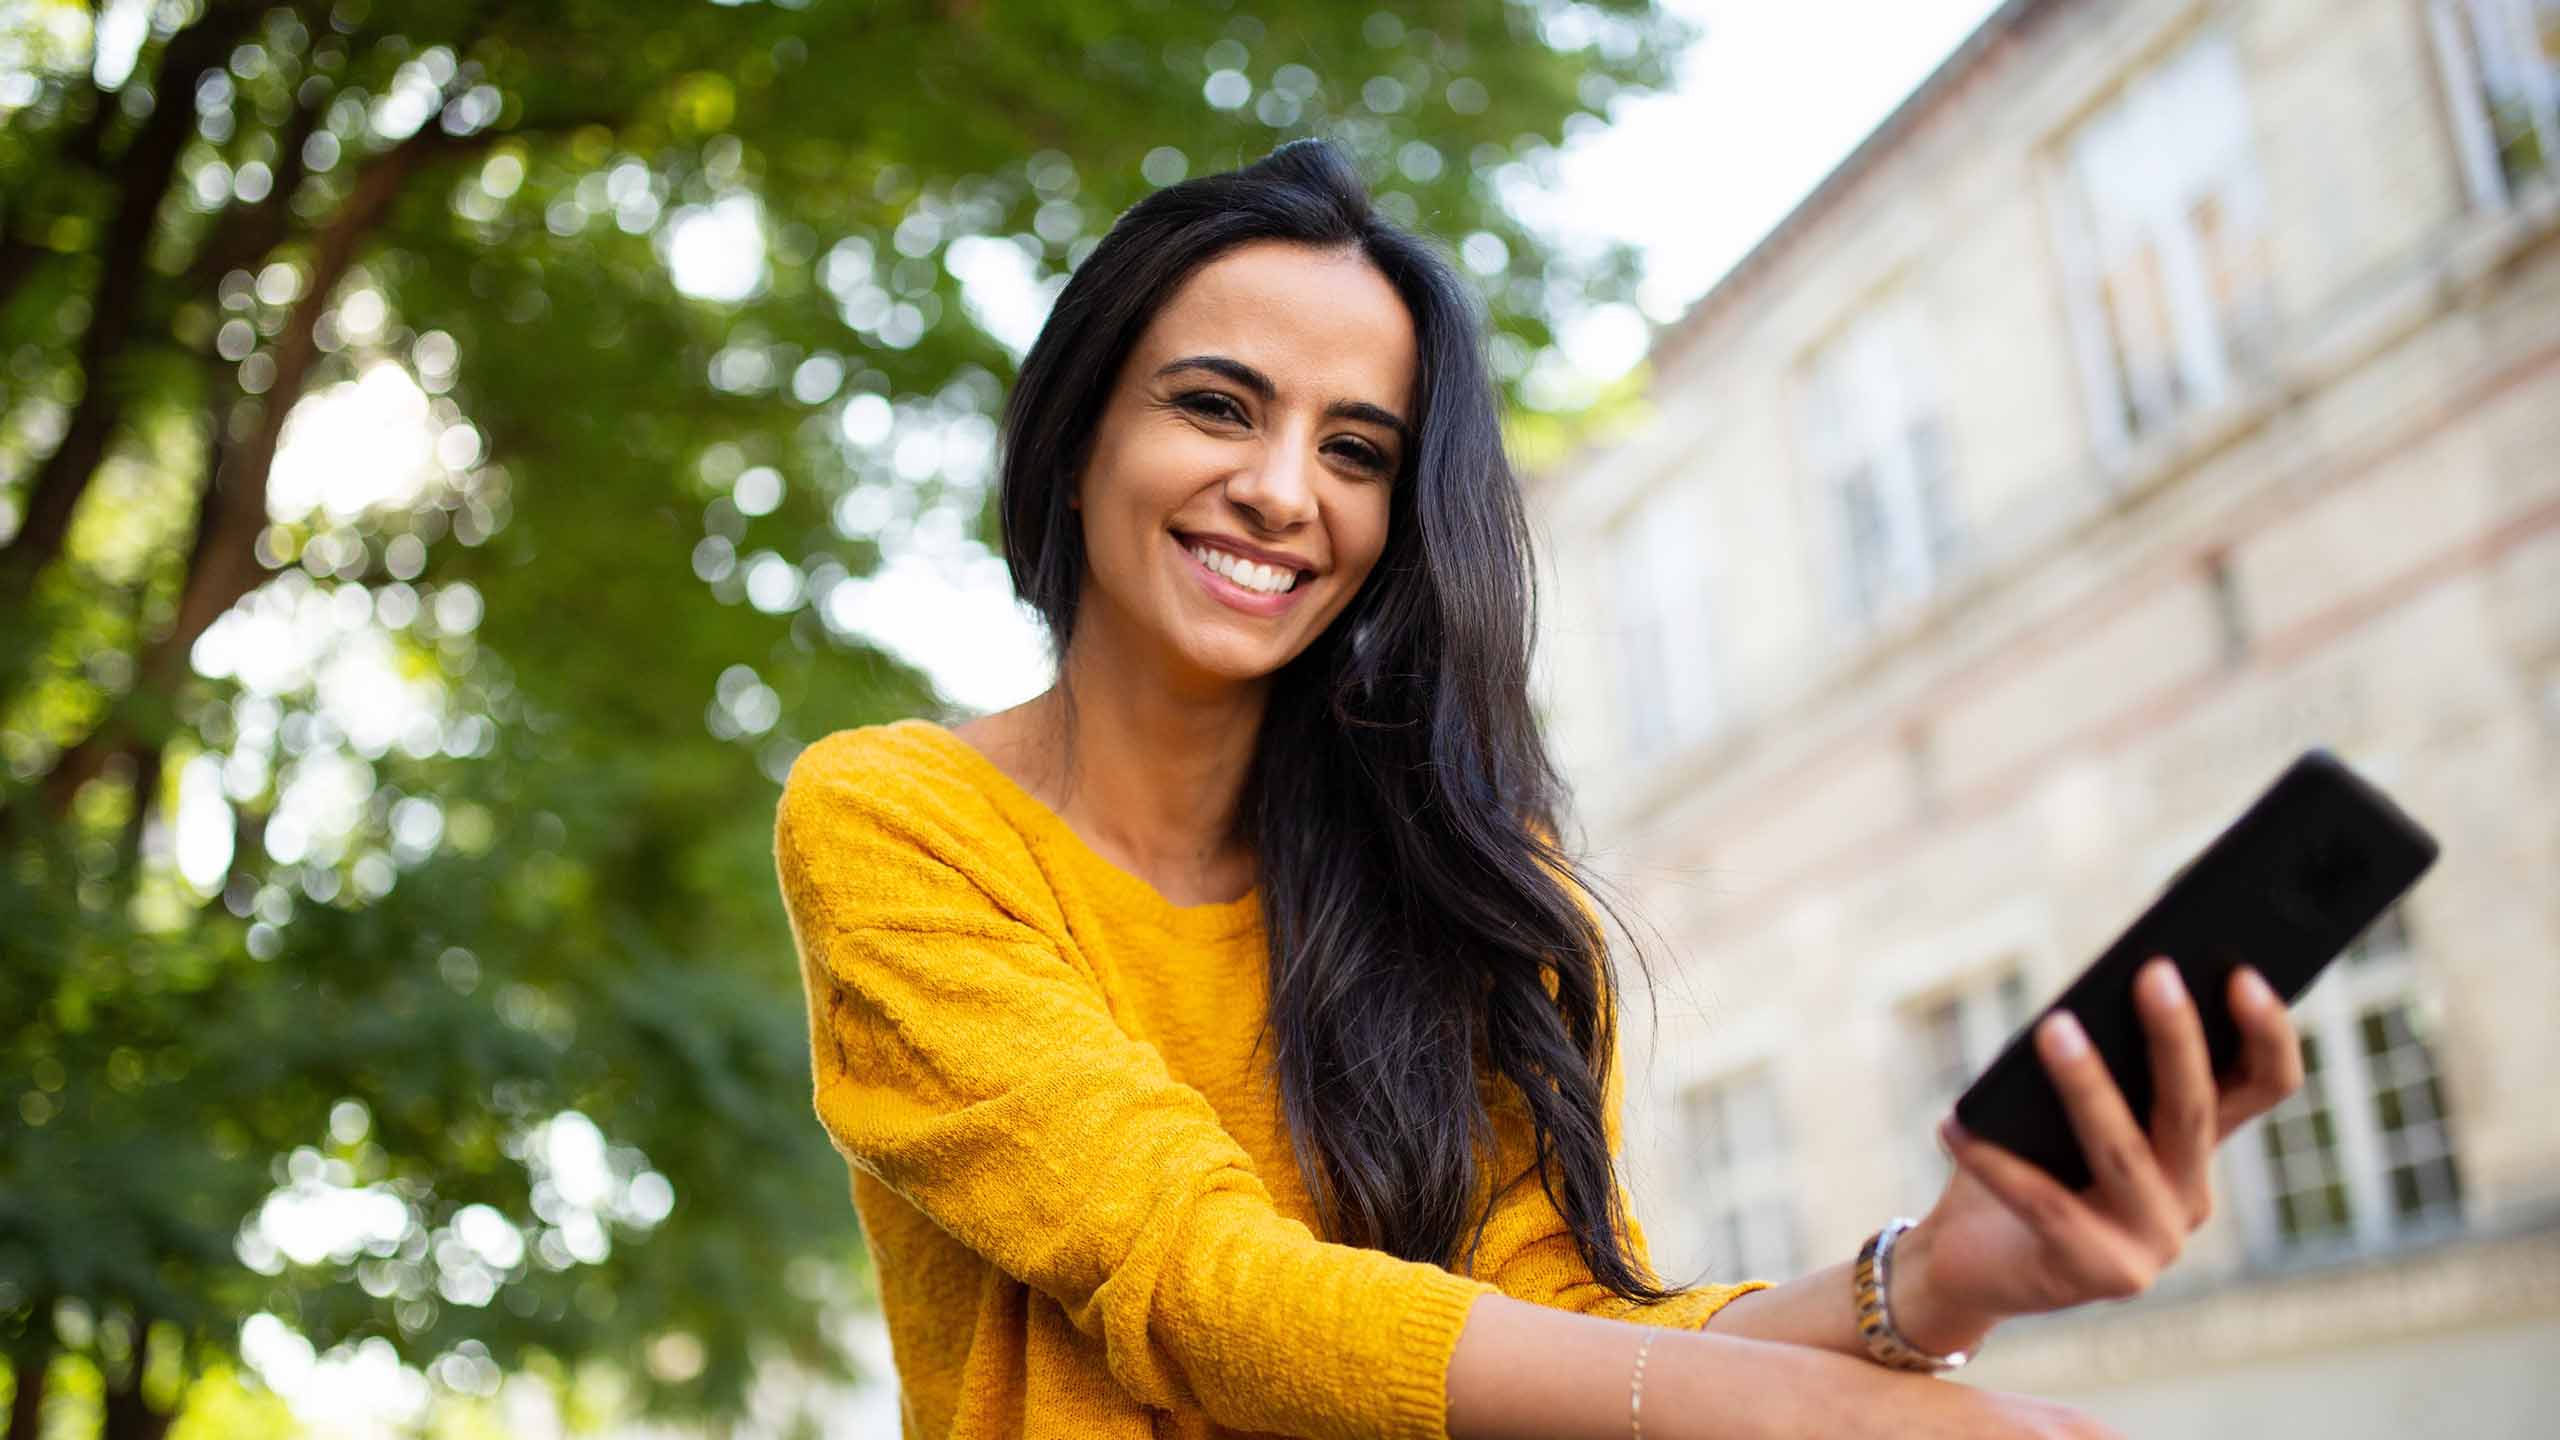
pixel 118 315
pixel 249 232
pixel 18 260
pixel 232 507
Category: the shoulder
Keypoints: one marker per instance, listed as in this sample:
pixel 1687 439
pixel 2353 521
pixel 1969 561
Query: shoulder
pixel 901 765
pixel 888 820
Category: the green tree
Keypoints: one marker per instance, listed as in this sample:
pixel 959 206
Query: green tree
pixel 486 710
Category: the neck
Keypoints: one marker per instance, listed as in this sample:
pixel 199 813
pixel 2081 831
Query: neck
pixel 1151 770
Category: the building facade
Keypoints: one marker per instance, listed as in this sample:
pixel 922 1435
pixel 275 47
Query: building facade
pixel 2166 387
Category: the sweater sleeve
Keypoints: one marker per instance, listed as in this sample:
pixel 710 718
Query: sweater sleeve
pixel 969 1061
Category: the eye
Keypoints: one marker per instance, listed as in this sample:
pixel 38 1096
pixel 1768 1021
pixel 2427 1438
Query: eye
pixel 1214 404
pixel 1365 455
pixel 1219 406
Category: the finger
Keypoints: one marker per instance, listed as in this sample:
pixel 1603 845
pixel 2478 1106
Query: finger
pixel 2184 1105
pixel 2130 1186
pixel 2270 1050
pixel 2096 1259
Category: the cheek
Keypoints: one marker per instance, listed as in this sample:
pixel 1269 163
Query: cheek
pixel 1136 475
pixel 1363 534
pixel 1121 505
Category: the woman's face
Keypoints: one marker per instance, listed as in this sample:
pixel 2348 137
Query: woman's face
pixel 1262 417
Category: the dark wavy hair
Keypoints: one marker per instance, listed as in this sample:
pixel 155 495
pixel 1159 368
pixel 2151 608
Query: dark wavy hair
pixel 1401 803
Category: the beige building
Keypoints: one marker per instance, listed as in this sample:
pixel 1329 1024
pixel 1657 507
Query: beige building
pixel 2166 387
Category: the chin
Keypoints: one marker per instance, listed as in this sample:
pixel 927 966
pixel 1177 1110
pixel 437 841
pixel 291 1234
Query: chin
pixel 1233 661
pixel 1238 669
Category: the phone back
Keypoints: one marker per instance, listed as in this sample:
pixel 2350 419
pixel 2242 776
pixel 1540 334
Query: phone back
pixel 2286 887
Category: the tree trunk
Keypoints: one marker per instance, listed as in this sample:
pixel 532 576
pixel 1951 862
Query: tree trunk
pixel 129 1416
pixel 26 1404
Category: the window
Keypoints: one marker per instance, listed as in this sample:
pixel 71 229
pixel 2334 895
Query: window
pixel 1666 674
pixel 1878 450
pixel 2361 1156
pixel 1738 1181
pixel 2165 232
pixel 2502 64
pixel 1954 1036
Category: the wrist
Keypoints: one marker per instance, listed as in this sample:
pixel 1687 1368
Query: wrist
pixel 1927 1315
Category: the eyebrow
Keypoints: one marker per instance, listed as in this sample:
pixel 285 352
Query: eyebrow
pixel 1260 384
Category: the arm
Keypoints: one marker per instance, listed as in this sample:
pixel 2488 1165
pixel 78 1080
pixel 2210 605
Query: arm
pixel 967 1060
pixel 1820 1309
pixel 1526 1372
pixel 1549 1359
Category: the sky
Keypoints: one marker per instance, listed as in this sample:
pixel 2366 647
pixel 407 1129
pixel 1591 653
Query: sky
pixel 1766 102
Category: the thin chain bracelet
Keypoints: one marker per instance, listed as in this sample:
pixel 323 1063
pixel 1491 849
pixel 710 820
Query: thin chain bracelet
pixel 1635 1388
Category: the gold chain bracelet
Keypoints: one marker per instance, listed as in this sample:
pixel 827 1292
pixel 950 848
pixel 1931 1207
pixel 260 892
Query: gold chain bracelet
pixel 1635 1386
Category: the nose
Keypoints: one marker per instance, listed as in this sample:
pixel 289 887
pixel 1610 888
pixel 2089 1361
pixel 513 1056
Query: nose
pixel 1276 490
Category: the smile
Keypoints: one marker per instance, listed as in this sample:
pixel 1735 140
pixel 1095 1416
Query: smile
pixel 1241 584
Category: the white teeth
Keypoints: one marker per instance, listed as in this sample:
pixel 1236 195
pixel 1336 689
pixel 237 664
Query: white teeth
pixel 1251 575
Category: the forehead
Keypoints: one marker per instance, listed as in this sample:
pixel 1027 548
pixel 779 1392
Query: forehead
pixel 1324 322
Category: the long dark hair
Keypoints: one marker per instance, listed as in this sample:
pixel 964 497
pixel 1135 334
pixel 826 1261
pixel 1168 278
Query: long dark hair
pixel 1401 804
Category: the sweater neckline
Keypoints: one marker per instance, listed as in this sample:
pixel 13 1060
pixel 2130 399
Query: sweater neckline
pixel 1123 891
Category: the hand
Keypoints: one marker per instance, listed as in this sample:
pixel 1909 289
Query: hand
pixel 2007 1239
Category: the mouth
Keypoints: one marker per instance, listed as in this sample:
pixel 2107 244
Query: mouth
pixel 1237 585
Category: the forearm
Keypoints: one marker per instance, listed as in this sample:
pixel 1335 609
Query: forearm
pixel 1821 1309
pixel 1817 1310
pixel 1527 1372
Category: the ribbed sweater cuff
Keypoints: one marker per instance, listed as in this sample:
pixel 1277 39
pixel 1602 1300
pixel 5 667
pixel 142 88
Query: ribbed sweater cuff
pixel 1418 1394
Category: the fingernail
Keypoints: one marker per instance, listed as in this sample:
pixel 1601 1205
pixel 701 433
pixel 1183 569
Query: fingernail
pixel 1951 1134
pixel 2068 1040
pixel 2166 981
pixel 2256 982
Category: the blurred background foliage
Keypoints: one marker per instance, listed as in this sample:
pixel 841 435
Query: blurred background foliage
pixel 412 594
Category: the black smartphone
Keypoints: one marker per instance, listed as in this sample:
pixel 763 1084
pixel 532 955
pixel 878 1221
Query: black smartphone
pixel 2287 887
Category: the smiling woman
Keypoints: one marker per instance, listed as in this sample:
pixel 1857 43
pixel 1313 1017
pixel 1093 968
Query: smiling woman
pixel 1288 787
pixel 1222 1042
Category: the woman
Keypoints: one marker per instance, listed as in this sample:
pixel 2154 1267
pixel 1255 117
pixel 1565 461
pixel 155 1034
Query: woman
pixel 1220 1042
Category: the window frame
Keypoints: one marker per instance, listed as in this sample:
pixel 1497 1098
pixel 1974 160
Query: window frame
pixel 1727 1187
pixel 2380 971
pixel 2209 346
pixel 1991 1003
pixel 2455 27
pixel 1869 413
pixel 1665 671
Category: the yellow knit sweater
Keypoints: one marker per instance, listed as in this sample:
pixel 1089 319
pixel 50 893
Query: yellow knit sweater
pixel 1077 1191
